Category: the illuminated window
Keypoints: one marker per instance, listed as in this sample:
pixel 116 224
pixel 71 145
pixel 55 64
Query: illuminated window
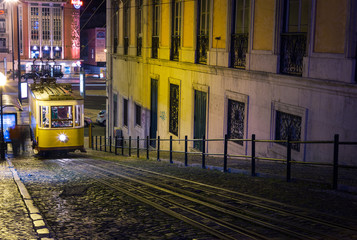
pixel 45 24
pixel 45 117
pixel 174 109
pixel 61 117
pixel 78 115
pixel 57 24
pixel 34 23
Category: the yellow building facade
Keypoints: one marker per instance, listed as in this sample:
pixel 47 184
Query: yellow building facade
pixel 210 68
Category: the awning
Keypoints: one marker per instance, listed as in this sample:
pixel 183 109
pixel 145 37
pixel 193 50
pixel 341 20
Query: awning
pixel 11 101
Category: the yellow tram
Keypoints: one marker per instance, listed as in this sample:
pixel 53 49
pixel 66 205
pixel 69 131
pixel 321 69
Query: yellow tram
pixel 56 117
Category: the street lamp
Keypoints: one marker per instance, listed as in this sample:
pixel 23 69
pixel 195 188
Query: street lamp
pixel 2 143
pixel 18 47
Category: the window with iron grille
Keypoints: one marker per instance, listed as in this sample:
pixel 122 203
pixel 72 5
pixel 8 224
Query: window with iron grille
pixel 126 23
pixel 176 7
pixel 204 8
pixel 34 23
pixel 235 124
pixel 139 11
pixel 240 32
pixel 155 29
pixel 46 24
pixel 174 108
pixel 288 124
pixel 125 112
pixel 137 115
pixel 293 36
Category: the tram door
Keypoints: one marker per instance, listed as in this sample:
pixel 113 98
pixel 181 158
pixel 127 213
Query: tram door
pixel 153 112
pixel 199 127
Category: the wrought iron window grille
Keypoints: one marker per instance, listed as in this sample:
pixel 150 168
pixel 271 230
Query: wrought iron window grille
pixel 292 52
pixel 288 125
pixel 175 45
pixel 202 48
pixel 239 50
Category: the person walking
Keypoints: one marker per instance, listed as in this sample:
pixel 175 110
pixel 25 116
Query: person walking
pixel 15 139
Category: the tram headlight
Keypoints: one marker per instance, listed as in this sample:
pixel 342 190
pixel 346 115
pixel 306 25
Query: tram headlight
pixel 63 138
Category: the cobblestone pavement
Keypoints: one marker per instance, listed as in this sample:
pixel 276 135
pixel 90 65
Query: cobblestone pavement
pixel 75 207
pixel 15 222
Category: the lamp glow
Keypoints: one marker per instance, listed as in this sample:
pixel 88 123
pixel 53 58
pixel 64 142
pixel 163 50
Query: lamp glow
pixel 63 138
pixel 2 79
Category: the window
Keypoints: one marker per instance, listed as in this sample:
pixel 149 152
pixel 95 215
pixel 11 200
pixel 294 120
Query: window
pixel 45 24
pixel 45 118
pixel 115 25
pixel 78 115
pixel 137 115
pixel 2 25
pixel 126 26
pixel 240 31
pixel 57 24
pixel 61 117
pixel 125 114
pixel 20 28
pixel 155 29
pixel 288 124
pixel 139 40
pixel 174 109
pixel 293 37
pixel 34 23
pixel 176 28
pixel 235 124
pixel 203 30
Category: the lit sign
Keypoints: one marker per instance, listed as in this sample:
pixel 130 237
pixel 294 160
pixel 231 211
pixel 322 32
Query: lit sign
pixel 23 90
pixel 2 12
pixel 9 122
pixel 77 3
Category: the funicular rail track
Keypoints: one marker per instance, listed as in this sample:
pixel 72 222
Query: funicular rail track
pixel 223 213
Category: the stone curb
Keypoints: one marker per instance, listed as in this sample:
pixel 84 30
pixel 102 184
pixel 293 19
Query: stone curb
pixel 34 213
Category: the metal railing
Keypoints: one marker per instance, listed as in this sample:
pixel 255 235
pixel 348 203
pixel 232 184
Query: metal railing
pixel 239 50
pixel 121 144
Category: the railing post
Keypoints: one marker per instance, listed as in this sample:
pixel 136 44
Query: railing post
pixel 171 149
pixel 122 146
pixel 116 145
pixel 158 148
pixel 186 158
pixel 288 160
pixel 100 143
pixel 96 142
pixel 129 146
pixel 147 147
pixel 105 144
pixel 110 144
pixel 203 152
pixel 225 153
pixel 253 155
pixel 137 147
pixel 335 161
pixel 92 142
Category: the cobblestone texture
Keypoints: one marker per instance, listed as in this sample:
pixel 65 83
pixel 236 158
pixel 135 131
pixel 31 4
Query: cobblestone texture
pixel 15 222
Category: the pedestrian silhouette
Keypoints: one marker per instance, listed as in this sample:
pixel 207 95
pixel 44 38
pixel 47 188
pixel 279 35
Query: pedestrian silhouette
pixel 15 139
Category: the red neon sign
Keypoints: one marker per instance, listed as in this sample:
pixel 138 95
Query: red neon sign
pixel 2 12
pixel 77 3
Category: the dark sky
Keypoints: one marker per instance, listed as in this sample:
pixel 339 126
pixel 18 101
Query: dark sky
pixel 88 11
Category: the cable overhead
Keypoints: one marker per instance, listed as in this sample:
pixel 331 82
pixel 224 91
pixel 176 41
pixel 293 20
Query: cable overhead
pixel 92 15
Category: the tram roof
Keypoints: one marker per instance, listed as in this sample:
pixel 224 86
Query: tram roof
pixel 47 89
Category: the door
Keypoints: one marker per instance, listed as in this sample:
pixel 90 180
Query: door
pixel 199 128
pixel 153 112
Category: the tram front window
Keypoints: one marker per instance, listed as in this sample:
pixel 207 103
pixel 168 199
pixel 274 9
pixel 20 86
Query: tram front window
pixel 61 116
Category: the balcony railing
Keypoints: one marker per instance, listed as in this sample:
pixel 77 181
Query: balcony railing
pixel 155 46
pixel 175 45
pixel 239 50
pixel 202 47
pixel 139 44
pixel 126 45
pixel 292 52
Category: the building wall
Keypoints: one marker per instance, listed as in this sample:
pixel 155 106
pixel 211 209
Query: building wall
pixel 323 98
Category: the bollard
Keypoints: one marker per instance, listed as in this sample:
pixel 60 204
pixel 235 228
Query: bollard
pixel 203 152
pixel 186 157
pixel 129 146
pixel 92 143
pixel 100 143
pixel 137 147
pixel 116 145
pixel 110 144
pixel 335 161
pixel 122 145
pixel 147 147
pixel 158 148
pixel 288 160
pixel 96 142
pixel 171 150
pixel 253 155
pixel 105 144
pixel 225 153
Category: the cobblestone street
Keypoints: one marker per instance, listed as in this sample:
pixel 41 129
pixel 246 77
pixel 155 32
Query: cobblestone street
pixel 76 207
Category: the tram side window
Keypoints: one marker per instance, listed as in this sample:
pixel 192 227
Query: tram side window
pixel 45 117
pixel 78 115
pixel 61 116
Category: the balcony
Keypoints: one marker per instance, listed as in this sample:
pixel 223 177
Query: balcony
pixel 292 52
pixel 202 47
pixel 175 45
pixel 139 44
pixel 126 45
pixel 155 46
pixel 239 50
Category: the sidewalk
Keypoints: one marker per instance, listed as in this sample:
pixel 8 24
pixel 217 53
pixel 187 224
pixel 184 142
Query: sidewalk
pixel 19 218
